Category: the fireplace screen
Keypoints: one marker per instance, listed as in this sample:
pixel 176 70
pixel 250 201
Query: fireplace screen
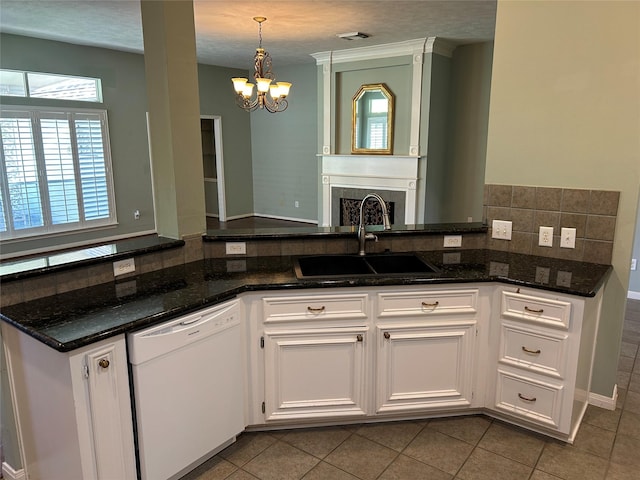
pixel 350 212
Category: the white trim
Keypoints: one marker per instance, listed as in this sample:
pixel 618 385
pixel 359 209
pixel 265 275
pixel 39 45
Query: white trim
pixel 373 52
pixel 9 473
pixel 604 402
pixel 633 295
pixel 375 172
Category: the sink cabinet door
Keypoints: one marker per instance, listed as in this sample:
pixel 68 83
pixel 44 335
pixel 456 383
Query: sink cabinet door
pixel 314 373
pixel 424 367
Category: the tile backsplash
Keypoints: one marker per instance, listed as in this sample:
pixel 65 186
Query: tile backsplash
pixel 591 212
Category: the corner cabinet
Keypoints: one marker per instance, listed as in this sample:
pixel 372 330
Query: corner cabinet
pixel 544 347
pixel 73 410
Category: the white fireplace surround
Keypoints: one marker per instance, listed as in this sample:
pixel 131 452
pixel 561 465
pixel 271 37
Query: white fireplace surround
pixel 403 173
pixel 370 172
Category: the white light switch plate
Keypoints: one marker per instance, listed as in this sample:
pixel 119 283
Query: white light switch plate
pixel 568 237
pixel 501 229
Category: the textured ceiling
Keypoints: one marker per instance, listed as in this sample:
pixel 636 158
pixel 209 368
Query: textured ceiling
pixel 227 35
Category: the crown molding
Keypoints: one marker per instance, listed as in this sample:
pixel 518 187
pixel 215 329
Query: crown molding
pixel 407 47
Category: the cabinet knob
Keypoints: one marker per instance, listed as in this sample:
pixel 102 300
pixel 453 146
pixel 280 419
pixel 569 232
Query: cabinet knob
pixel 103 362
pixel 359 337
pixel 387 335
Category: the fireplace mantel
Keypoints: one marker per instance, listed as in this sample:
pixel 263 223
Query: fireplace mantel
pixel 373 173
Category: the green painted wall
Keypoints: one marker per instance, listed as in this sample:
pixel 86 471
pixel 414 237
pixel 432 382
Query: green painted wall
pixel 398 81
pixel 436 91
pixel 123 83
pixel 217 98
pixel 285 165
pixel 467 133
pixel 564 112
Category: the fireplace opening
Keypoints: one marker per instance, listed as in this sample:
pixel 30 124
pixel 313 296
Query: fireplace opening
pixel 371 211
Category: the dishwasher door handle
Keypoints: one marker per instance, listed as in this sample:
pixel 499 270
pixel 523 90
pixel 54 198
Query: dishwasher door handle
pixel 189 322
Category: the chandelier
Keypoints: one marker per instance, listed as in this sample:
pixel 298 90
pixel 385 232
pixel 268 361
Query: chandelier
pixel 276 101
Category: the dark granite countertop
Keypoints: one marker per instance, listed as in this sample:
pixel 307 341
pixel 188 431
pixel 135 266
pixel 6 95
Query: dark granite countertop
pixel 271 233
pixel 75 319
pixel 34 265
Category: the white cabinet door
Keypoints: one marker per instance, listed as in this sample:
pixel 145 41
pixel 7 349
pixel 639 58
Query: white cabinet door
pixel 314 373
pixel 108 409
pixel 424 368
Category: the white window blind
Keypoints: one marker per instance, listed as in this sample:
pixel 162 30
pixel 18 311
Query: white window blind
pixel 55 171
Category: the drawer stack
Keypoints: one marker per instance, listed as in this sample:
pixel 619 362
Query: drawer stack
pixel 536 360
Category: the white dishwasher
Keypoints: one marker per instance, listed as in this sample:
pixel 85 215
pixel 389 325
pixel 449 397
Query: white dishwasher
pixel 188 389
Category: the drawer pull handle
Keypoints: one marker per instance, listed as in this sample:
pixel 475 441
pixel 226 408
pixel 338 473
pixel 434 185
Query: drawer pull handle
pixel 430 305
pixel 316 309
pixel 387 335
pixel 359 337
pixel 532 352
pixel 533 310
pixel 526 399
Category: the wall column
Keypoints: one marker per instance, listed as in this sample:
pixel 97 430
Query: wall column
pixel 171 72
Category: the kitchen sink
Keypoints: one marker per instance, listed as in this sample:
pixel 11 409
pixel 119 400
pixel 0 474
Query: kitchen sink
pixel 357 266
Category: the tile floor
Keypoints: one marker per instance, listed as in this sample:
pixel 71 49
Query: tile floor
pixel 467 448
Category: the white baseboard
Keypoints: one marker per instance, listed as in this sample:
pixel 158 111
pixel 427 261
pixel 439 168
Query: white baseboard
pixel 604 402
pixel 633 295
pixel 8 473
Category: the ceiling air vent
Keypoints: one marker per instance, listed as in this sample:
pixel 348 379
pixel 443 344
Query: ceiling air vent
pixel 353 35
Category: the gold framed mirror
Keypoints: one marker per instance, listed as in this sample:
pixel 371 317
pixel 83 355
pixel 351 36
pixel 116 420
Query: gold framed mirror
pixel 372 120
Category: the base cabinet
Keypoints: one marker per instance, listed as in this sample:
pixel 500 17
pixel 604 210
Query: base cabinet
pixel 366 353
pixel 544 347
pixel 314 373
pixel 73 410
pixel 424 368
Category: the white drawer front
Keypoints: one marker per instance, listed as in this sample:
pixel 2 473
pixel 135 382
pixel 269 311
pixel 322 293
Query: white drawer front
pixel 429 302
pixel 314 307
pixel 543 311
pixel 534 351
pixel 534 401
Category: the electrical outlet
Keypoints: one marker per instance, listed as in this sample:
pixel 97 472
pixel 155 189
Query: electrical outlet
pixel 451 258
pixel 564 279
pixel 633 263
pixel 542 275
pixel 501 229
pixel 453 241
pixel 545 237
pixel 296 204
pixel 568 237
pixel 124 266
pixel 236 248
pixel 236 265
pixel 498 269
pixel 136 215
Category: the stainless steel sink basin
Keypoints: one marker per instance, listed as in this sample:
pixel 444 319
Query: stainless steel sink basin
pixel 357 266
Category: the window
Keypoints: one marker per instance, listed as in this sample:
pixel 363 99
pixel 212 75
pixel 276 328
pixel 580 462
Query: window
pixel 15 83
pixel 55 171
